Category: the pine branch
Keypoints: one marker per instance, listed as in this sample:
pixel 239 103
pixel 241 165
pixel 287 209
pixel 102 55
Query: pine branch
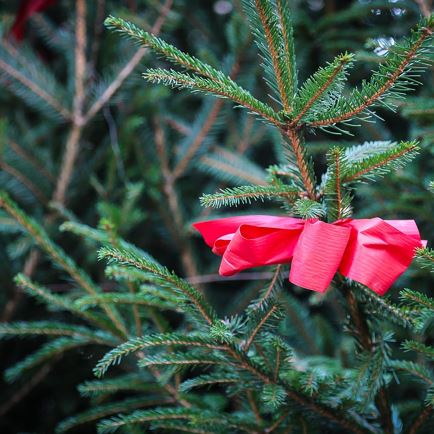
pixel 180 360
pixel 122 298
pixel 28 85
pixel 46 352
pixel 414 369
pixel 231 167
pixel 420 419
pixel 166 50
pixel 419 347
pixel 384 307
pixel 127 69
pixel 288 55
pixel 42 239
pixel 111 386
pixel 246 194
pixel 52 328
pixel 224 89
pixel 361 329
pixel 130 258
pixel 425 258
pixel 100 411
pixel 276 46
pixel 303 164
pixel 166 414
pixel 417 299
pixel 208 380
pixel 375 163
pixel 269 311
pixel 56 301
pixel 320 90
pixel 394 78
pixel 115 356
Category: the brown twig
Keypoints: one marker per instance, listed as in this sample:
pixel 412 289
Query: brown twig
pixel 425 7
pixel 420 419
pixel 23 153
pixel 294 139
pixel 187 257
pixel 338 184
pixel 73 142
pixel 129 67
pixel 254 407
pixel 318 93
pixel 24 180
pixel 36 89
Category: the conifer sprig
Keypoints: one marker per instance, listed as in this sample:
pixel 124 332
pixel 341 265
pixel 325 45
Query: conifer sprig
pixel 266 26
pixel 246 194
pixel 394 78
pixel 288 50
pixel 136 344
pixel 208 80
pixel 369 161
pixel 225 89
pixel 57 254
pixel 319 91
pixel 184 289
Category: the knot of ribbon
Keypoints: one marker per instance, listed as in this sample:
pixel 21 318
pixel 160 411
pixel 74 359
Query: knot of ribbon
pixel 373 252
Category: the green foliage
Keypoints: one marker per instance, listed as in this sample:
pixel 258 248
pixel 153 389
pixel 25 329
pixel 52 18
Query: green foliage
pixel 246 194
pixel 191 358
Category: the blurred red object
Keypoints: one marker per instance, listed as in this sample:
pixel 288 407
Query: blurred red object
pixel 26 10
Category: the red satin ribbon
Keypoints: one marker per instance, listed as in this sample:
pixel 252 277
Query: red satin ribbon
pixel 374 252
pixel 26 10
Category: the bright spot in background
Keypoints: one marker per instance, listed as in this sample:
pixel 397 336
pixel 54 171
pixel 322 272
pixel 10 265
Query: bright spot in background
pixel 383 45
pixel 316 5
pixel 222 7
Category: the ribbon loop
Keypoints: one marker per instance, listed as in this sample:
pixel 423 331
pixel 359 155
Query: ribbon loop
pixel 373 251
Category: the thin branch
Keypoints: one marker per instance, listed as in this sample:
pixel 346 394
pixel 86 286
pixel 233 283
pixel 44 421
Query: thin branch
pixel 177 223
pixel 24 180
pixel 286 38
pixel 297 147
pixel 338 184
pixel 33 87
pixel 383 89
pixel 19 150
pixel 231 170
pixel 254 407
pixel 274 56
pixel 73 142
pixel 425 7
pixel 380 164
pixel 270 287
pixel 318 94
pixel 207 125
pixel 129 67
pixel 276 423
pixel 258 327
pixel 27 387
pixel 420 419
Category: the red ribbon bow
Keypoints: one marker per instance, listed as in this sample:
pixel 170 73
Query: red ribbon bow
pixel 374 252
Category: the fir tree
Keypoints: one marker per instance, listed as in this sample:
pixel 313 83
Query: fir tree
pixel 187 369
